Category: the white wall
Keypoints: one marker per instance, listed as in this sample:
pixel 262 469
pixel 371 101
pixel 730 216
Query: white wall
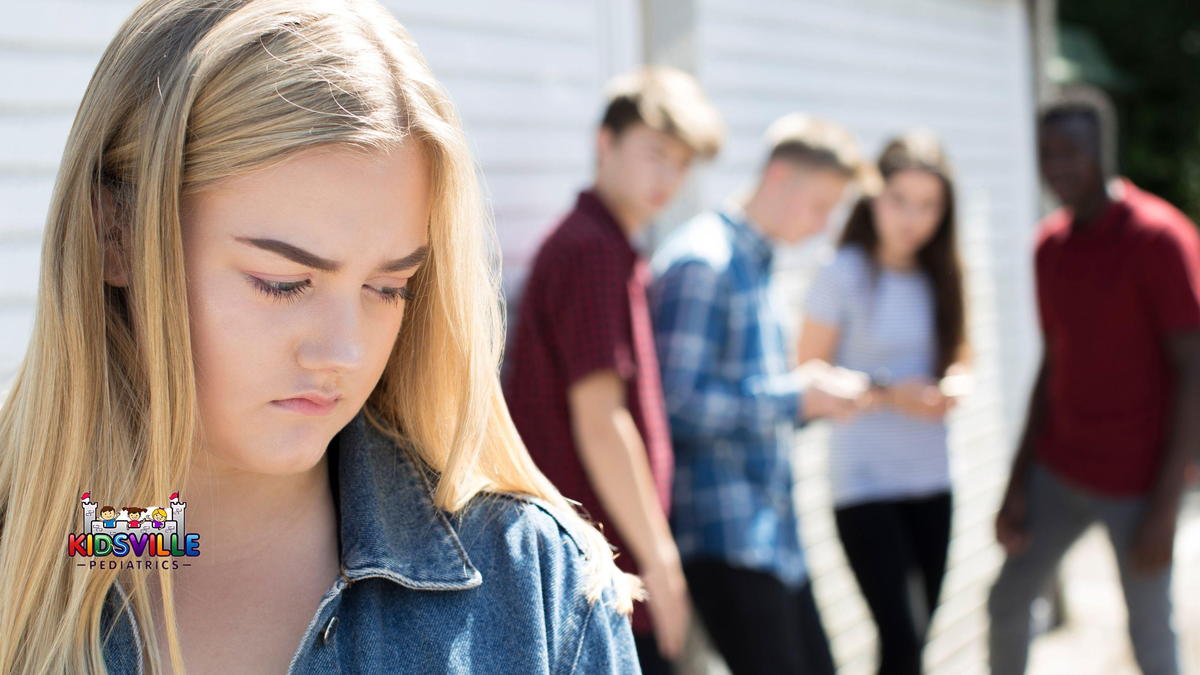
pixel 526 74
pixel 961 68
pixel 527 77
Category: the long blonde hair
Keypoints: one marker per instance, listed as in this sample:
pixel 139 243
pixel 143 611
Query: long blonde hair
pixel 187 93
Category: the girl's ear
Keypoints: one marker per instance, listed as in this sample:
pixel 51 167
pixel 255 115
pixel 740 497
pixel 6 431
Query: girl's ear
pixel 113 236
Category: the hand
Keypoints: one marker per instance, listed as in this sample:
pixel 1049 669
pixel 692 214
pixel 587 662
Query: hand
pixel 670 609
pixel 921 398
pixel 837 393
pixel 1011 530
pixel 1154 542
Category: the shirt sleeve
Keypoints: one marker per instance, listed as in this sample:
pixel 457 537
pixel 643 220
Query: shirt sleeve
pixel 1172 277
pixel 691 322
pixel 590 317
pixel 1042 280
pixel 825 300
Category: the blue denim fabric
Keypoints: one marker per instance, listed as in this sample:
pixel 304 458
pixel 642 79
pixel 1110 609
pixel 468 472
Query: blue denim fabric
pixel 495 588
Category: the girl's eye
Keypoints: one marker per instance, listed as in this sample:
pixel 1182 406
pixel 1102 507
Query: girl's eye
pixel 281 290
pixel 292 290
pixel 394 295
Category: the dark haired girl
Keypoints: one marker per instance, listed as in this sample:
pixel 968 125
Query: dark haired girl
pixel 890 304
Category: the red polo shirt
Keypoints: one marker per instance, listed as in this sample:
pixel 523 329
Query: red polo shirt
pixel 584 309
pixel 1109 296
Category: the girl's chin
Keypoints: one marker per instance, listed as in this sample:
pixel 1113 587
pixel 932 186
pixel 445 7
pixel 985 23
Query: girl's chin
pixel 284 455
pixel 282 464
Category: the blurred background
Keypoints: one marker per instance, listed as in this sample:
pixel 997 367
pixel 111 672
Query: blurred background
pixel 527 76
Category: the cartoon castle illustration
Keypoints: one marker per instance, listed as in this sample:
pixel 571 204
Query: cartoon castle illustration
pixel 121 522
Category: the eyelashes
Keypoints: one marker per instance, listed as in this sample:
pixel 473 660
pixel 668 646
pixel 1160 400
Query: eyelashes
pixel 290 291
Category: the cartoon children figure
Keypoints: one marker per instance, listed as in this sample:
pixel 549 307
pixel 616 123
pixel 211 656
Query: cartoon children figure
pixel 135 515
pixel 158 518
pixel 108 515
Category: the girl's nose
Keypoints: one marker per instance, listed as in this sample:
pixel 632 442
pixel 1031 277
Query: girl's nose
pixel 337 337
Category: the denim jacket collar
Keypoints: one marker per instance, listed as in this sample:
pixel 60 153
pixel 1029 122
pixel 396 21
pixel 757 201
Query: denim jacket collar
pixel 389 525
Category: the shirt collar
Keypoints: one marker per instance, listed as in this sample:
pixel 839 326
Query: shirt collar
pixel 747 237
pixel 1116 212
pixel 590 203
pixel 388 527
pixel 388 523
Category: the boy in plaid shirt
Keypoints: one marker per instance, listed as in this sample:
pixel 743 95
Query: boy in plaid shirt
pixel 733 402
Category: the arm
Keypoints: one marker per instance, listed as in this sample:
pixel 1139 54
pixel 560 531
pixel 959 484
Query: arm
pixel 918 397
pixel 1010 521
pixel 1154 543
pixel 614 458
pixel 691 322
pixel 818 341
pixel 1171 278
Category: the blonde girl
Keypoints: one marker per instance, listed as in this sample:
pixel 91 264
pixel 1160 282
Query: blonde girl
pixel 268 282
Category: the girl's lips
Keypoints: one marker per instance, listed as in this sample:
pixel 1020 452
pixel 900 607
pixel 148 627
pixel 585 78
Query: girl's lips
pixel 305 406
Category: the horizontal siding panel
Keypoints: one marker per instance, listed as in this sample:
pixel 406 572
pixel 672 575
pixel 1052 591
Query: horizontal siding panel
pixel 545 19
pixel 19 263
pixel 960 69
pixel 64 26
pixel 526 77
pixel 25 200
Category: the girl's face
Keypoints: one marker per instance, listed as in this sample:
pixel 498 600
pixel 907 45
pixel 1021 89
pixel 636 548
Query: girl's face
pixel 908 210
pixel 297 281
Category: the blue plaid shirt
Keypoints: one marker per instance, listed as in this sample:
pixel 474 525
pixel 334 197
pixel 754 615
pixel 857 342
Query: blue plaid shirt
pixel 732 398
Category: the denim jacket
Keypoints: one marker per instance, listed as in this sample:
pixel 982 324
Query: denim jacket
pixel 495 588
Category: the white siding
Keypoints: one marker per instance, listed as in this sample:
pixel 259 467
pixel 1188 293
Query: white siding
pixel 526 76
pixel 962 69
pixel 527 79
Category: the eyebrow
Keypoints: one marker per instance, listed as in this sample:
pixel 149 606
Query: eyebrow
pixel 299 255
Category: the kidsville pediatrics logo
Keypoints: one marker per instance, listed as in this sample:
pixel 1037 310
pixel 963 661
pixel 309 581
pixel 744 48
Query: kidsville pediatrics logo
pixel 154 538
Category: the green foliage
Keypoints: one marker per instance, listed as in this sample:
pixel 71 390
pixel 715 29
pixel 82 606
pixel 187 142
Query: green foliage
pixel 1155 46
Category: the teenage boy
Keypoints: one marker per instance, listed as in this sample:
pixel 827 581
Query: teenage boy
pixel 1112 420
pixel 733 402
pixel 582 382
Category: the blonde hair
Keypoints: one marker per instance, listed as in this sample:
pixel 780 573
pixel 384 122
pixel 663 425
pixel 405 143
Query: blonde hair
pixel 665 99
pixel 158 512
pixel 190 92
pixel 815 143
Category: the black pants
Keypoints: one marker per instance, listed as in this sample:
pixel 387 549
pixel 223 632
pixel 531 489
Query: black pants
pixel 648 657
pixel 757 623
pixel 897 550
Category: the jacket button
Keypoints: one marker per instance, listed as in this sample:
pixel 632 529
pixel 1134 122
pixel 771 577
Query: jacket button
pixel 330 627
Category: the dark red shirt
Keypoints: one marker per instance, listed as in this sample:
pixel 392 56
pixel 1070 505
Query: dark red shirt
pixel 1109 296
pixel 584 309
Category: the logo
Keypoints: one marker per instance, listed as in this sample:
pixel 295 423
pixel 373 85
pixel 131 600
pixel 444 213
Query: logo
pixel 133 537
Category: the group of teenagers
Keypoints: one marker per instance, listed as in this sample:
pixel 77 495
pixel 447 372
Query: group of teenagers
pixel 662 392
pixel 268 279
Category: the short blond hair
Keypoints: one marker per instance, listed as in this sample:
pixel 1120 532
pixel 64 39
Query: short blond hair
pixel 816 143
pixel 665 99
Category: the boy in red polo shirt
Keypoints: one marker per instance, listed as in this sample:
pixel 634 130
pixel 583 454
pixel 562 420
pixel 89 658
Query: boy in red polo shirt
pixel 1112 421
pixel 582 380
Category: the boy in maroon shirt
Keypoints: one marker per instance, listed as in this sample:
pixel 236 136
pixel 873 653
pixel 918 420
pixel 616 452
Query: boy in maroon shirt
pixel 1112 420
pixel 582 378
